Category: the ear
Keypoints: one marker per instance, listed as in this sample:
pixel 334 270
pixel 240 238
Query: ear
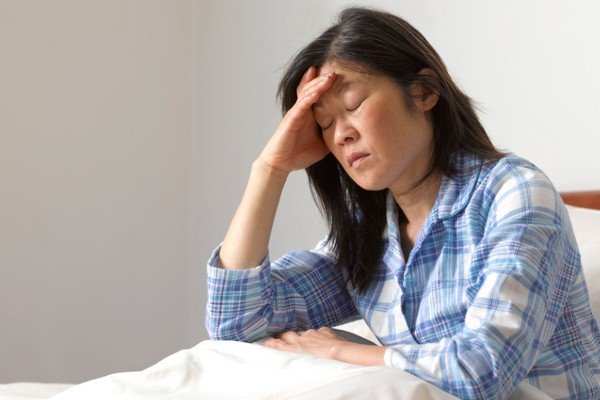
pixel 425 98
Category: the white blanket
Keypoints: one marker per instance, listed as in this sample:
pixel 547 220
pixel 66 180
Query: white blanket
pixel 236 370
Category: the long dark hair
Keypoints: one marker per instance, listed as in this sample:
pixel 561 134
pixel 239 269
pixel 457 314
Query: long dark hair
pixel 380 43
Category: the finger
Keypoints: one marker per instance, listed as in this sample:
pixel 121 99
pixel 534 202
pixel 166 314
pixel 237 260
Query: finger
pixel 282 346
pixel 288 336
pixel 311 94
pixel 328 332
pixel 320 83
pixel 312 332
pixel 309 74
pixel 274 343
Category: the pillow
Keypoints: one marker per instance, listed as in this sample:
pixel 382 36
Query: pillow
pixel 586 226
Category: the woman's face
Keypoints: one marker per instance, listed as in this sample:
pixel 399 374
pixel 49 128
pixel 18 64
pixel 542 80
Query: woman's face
pixel 366 114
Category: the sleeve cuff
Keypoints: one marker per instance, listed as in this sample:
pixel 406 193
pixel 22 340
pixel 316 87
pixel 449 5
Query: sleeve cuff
pixel 394 359
pixel 215 269
pixel 387 358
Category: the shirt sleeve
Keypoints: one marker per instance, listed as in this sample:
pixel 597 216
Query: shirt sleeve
pixel 523 268
pixel 299 291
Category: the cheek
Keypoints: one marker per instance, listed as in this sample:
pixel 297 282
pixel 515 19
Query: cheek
pixel 375 117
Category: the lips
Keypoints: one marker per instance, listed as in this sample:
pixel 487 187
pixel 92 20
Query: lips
pixel 356 157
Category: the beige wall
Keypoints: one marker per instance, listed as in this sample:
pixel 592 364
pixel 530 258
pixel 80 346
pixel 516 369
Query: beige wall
pixel 95 132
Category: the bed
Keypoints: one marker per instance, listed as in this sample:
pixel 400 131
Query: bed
pixel 237 370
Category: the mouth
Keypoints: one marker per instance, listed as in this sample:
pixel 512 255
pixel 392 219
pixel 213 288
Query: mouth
pixel 355 159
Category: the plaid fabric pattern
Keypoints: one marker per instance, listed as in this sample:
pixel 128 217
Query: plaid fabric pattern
pixel 492 293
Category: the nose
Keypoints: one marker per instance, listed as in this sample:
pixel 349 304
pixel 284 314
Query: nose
pixel 344 133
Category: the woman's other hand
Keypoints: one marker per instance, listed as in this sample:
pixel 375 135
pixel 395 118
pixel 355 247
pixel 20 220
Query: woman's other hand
pixel 322 342
pixel 297 143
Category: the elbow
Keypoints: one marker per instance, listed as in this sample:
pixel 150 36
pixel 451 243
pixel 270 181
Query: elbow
pixel 486 387
pixel 225 331
pixel 235 328
pixel 219 329
pixel 490 382
pixel 480 375
pixel 215 330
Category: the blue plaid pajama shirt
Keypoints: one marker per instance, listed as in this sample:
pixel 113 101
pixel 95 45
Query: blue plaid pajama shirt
pixel 492 293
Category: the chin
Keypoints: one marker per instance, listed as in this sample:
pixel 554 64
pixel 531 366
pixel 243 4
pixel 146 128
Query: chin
pixel 370 185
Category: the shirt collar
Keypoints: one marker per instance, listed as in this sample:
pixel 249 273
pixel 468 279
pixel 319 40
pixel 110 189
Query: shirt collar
pixel 453 196
pixel 456 191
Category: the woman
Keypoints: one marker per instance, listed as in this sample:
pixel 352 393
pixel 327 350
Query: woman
pixel 460 258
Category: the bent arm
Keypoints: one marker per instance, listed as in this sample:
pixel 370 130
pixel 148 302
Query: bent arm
pixel 248 296
pixel 247 238
pixel 298 291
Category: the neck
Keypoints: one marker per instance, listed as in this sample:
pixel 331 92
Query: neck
pixel 417 203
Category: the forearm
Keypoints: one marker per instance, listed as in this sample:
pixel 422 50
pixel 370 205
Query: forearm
pixel 360 354
pixel 247 238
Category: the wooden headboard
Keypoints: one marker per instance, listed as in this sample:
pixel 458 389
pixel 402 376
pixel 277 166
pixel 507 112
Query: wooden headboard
pixel 587 199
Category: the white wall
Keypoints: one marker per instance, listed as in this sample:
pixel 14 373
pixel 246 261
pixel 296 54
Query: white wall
pixel 127 130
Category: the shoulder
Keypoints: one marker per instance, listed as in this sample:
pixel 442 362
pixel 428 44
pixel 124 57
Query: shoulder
pixel 514 187
pixel 513 178
pixel 479 183
pixel 513 173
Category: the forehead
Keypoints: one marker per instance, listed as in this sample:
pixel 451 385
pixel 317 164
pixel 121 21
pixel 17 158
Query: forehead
pixel 345 79
pixel 343 67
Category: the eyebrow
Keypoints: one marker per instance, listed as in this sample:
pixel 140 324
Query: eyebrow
pixel 337 92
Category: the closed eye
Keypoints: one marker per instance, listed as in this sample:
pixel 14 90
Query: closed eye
pixel 349 110
pixel 355 108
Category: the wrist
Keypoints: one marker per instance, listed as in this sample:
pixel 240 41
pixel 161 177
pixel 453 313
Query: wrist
pixel 270 171
pixel 360 354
